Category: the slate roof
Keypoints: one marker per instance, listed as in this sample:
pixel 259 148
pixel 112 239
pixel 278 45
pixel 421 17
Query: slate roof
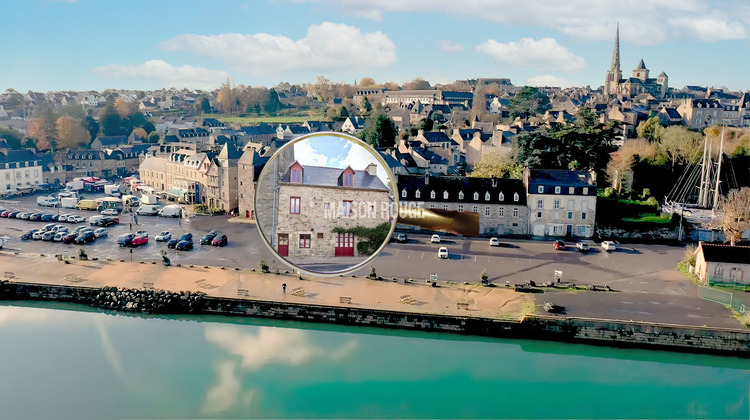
pixel 438 137
pixel 14 157
pixel 112 140
pixel 230 151
pixel 672 113
pixel 550 178
pixel 331 177
pixel 726 253
pixel 468 186
pixel 641 65
pixel 258 129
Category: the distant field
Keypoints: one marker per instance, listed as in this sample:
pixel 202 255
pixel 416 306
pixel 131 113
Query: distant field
pixel 282 119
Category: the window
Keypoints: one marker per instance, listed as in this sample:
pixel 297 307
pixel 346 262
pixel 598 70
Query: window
pixel 557 190
pixel 539 214
pixel 432 194
pixel 297 176
pixel 445 195
pixel 487 211
pixel 502 197
pixel 502 212
pixel 540 189
pixel 571 190
pixel 487 196
pixel 460 195
pixel 304 240
pixel 581 230
pixel 293 205
pixel 515 211
pixel 460 207
pixel 736 274
pixel 515 197
pixel 445 207
pixel 346 208
pixel 557 229
pixel 320 235
pixel 557 204
pixel 719 271
pixel 585 190
pixel 583 216
pixel 432 205
pixel 476 209
pixel 570 215
pixel 540 203
pixel 476 195
pixel 403 193
pixel 417 194
pixel 348 180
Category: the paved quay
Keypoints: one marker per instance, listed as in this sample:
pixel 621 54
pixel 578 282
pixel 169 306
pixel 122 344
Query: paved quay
pixel 474 300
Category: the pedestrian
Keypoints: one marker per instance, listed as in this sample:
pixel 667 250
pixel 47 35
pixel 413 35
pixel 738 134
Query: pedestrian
pixel 283 287
pixel 131 225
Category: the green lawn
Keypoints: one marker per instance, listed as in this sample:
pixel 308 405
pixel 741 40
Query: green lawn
pixel 648 218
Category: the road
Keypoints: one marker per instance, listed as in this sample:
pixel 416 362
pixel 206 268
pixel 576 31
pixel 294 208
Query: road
pixel 644 276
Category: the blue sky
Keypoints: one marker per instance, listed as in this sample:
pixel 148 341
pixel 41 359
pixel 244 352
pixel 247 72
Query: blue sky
pixel 336 152
pixel 146 44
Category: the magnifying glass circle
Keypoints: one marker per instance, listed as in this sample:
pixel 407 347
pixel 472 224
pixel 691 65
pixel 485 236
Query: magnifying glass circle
pixel 325 203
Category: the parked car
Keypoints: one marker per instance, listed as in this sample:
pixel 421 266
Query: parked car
pixel 435 239
pixel 108 221
pixel 47 236
pixel 55 218
pixel 4 213
pixel 38 235
pixel 28 234
pixel 443 252
pixel 402 238
pixel 559 244
pixel 100 233
pixel 609 246
pixel 110 212
pixel 163 236
pixel 93 220
pixel 184 246
pixel 76 219
pixel 141 233
pixel 125 239
pixel 13 214
pixel 35 217
pixel 62 218
pixel 85 238
pixel 23 216
pixel 172 243
pixel 69 238
pixel 494 242
pixel 48 226
pixel 60 228
pixel 46 217
pixel 220 240
pixel 582 247
pixel 59 236
pixel 207 238
pixel 139 240
pixel 186 237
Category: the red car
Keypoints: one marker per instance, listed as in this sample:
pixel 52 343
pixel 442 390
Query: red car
pixel 5 213
pixel 559 245
pixel 139 241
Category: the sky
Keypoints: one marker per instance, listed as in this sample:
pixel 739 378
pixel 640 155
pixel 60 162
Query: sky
pixel 336 152
pixel 146 44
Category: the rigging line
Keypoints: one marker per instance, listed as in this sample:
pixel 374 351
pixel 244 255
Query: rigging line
pixel 684 186
pixel 687 191
pixel 733 179
pixel 676 185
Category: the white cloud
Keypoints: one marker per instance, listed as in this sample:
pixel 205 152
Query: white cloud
pixel 450 46
pixel 549 80
pixel 642 21
pixel 708 28
pixel 306 155
pixel 164 73
pixel 358 158
pixel 326 47
pixel 544 54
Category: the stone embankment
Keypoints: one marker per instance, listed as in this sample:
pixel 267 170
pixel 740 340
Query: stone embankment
pixel 574 330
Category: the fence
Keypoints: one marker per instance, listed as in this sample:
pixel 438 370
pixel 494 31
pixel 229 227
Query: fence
pixel 723 298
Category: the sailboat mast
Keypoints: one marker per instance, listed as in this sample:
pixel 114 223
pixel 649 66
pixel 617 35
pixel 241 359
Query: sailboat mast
pixel 718 170
pixel 701 190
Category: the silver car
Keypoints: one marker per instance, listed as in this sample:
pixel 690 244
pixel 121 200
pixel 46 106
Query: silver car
pixel 100 233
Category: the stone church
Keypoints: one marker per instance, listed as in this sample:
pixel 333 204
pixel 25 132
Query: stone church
pixel 638 83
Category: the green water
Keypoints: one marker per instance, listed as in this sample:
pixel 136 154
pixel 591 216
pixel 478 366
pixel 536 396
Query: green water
pixel 56 362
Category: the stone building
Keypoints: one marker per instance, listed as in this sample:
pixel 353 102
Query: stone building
pixel 700 113
pixel 19 169
pixel 500 203
pixel 299 219
pixel 635 85
pixel 561 202
pixel 222 179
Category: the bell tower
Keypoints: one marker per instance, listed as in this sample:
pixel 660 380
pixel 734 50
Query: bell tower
pixel 612 82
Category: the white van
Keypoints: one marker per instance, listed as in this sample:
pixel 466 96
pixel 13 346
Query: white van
pixel 47 201
pixel 172 210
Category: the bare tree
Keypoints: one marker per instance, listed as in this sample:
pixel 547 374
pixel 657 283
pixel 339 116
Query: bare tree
pixel 735 218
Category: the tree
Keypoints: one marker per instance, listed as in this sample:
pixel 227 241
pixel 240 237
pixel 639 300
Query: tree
pixel 42 128
pixel 153 137
pixel 529 101
pixel 367 81
pixel 140 133
pixel 91 125
pixel 497 164
pixel 427 124
pixel 479 103
pixel 124 108
pixel 365 107
pixel 679 145
pixel 735 210
pixel 321 90
pixel 380 131
pixel 273 105
pixel 205 105
pixel 417 84
pixel 111 121
pixel 12 137
pixel 71 133
pixel 651 130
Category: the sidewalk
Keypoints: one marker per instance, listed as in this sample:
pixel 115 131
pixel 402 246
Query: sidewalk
pixel 419 297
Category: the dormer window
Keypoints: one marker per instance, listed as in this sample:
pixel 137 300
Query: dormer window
pixel 417 194
pixel 476 195
pixel 295 175
pixel 487 196
pixel 445 195
pixel 347 177
pixel 557 190
pixel 403 193
pixel 348 181
pixel 460 195
pixel 502 197
pixel 432 195
pixel 585 190
pixel 540 189
pixel 515 197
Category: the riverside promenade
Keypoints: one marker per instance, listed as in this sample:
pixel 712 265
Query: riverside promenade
pixel 418 296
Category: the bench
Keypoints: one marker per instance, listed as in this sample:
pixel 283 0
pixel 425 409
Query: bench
pixel 9 275
pixel 148 286
pixel 345 299
pixel 298 291
pixel 406 299
pixel 462 305
pixel 242 292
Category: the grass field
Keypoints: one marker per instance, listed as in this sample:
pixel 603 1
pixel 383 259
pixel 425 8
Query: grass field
pixel 252 120
pixel 648 218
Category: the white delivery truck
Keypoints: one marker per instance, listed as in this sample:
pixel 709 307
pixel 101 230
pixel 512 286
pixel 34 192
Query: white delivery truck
pixel 74 185
pixel 68 202
pixel 47 201
pixel 149 199
pixel 112 190
pixel 172 210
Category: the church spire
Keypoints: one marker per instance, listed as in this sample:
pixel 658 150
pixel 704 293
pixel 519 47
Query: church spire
pixel 616 53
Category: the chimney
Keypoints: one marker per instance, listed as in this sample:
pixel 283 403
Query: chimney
pixel 426 178
pixel 494 181
pixel 372 169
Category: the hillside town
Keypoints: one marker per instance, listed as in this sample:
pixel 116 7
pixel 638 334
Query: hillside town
pixel 530 161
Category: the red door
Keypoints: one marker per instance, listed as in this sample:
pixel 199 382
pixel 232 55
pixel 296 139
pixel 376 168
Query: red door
pixel 344 245
pixel 283 246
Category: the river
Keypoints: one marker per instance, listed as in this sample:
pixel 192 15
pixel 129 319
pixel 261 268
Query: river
pixel 65 361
